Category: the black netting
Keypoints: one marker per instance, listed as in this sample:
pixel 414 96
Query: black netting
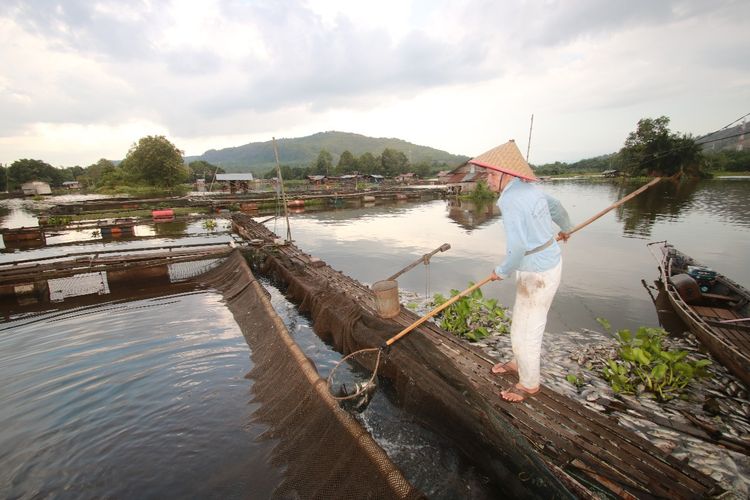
pixel 325 451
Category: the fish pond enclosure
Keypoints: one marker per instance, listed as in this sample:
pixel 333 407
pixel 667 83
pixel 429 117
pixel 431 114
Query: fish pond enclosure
pixel 293 411
pixel 190 357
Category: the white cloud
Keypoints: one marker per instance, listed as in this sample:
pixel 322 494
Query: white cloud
pixel 52 141
pixel 458 76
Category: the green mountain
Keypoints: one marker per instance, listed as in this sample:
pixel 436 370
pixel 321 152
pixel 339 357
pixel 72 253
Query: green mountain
pixel 258 157
pixel 725 140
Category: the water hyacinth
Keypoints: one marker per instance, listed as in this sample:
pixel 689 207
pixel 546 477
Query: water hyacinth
pixel 473 317
pixel 644 365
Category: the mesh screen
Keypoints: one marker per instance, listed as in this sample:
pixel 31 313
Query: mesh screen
pixel 78 285
pixel 325 451
pixel 181 271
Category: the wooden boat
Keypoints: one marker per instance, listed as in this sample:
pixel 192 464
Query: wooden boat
pixel 714 307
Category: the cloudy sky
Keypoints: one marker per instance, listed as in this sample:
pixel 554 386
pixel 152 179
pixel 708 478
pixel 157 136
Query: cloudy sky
pixel 83 79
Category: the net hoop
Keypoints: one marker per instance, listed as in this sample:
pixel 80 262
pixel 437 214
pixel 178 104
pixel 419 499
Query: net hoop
pixel 365 387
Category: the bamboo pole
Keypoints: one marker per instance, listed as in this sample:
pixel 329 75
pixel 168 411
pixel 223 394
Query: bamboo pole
pixel 423 259
pixel 439 308
pixel 613 206
pixel 283 194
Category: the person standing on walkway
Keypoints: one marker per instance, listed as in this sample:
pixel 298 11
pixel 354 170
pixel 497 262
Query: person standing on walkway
pixel 532 254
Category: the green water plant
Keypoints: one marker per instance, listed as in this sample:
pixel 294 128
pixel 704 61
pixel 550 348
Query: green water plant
pixel 209 224
pixel 644 365
pixel 576 380
pixel 472 317
pixel 480 193
pixel 58 220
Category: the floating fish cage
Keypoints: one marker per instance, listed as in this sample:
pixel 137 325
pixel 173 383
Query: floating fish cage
pixel 117 228
pixel 23 237
pixel 321 449
pixel 164 215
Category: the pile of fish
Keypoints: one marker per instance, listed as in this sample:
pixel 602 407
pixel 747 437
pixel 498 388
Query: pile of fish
pixel 721 401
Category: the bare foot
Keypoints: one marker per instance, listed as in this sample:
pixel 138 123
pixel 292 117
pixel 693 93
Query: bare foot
pixel 509 367
pixel 517 393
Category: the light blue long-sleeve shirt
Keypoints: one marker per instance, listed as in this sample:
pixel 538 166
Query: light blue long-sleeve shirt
pixel 528 214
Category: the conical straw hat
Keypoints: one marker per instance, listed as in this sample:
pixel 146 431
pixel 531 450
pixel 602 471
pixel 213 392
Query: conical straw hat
pixel 506 158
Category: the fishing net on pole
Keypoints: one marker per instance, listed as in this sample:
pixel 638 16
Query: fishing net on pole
pixel 356 376
pixel 370 358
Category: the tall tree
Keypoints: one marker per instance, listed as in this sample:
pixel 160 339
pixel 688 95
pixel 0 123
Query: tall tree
pixel 97 173
pixel 422 169
pixel 156 162
pixel 393 162
pixel 72 173
pixel 324 164
pixel 368 164
pixel 25 170
pixel 653 148
pixel 347 163
pixel 201 169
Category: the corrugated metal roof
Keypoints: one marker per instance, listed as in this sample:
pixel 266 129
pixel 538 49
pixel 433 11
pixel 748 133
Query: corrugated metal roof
pixel 234 177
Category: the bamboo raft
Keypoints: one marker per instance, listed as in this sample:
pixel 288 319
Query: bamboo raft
pixel 589 453
pixel 218 200
pixel 29 279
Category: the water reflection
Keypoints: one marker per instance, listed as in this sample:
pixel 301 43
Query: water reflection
pixel 105 401
pixel 170 228
pixel 470 214
pixel 17 213
pixel 666 200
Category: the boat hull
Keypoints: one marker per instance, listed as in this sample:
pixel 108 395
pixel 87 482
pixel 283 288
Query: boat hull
pixel 712 318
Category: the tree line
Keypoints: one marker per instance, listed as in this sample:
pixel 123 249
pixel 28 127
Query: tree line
pixel 653 149
pixel 151 162
pixel 389 163
pixel 154 162
pixel 157 163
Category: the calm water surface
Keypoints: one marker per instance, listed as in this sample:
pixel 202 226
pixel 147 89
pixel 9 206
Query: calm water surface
pixel 105 402
pixel 603 263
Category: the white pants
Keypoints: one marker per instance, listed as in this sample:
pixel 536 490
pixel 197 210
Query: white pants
pixel 534 294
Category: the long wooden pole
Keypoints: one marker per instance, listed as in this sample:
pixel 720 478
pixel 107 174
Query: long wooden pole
pixel 528 145
pixel 283 194
pixel 486 280
pixel 423 259
pixel 614 205
pixel 439 308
